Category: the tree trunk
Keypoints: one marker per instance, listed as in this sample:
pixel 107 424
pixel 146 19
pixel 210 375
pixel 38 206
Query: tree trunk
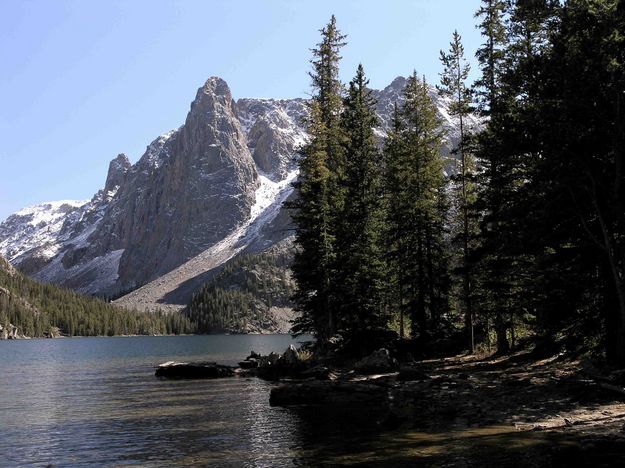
pixel 503 346
pixel 420 309
pixel 617 277
pixel 401 310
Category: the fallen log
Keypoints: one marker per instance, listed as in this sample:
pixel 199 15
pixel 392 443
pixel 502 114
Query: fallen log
pixel 193 370
pixel 612 388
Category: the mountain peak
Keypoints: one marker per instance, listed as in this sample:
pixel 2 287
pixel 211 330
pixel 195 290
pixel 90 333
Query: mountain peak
pixel 398 83
pixel 212 101
pixel 117 171
pixel 216 85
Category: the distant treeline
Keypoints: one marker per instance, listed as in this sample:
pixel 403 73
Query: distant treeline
pixel 38 309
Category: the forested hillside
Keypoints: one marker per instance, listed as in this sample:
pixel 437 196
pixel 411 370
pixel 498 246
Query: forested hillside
pixel 251 294
pixel 39 310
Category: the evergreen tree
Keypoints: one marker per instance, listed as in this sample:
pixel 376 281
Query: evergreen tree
pixel 319 196
pixel 394 212
pixel 491 269
pixel 508 150
pixel 490 55
pixel 360 262
pixel 416 215
pixel 453 86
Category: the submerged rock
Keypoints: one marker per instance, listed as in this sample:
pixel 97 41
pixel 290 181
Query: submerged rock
pixel 318 392
pixel 197 370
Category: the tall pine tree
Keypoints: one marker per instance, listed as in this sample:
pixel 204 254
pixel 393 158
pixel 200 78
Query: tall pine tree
pixel 318 193
pixel 360 266
pixel 489 271
pixel 416 191
pixel 454 86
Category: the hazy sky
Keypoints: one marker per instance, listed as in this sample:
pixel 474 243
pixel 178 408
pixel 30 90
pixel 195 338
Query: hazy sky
pixel 81 81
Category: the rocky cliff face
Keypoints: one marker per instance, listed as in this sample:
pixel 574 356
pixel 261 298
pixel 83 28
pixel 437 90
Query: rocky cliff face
pixel 191 188
pixel 197 197
pixel 275 131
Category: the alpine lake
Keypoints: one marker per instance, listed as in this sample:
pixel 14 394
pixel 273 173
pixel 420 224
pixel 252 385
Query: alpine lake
pixel 96 402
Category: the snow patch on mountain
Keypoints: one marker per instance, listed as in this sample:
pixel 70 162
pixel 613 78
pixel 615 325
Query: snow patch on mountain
pixel 36 226
pixel 268 191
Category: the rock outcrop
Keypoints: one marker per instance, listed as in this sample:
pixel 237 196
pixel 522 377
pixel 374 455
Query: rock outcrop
pixel 118 168
pixel 276 131
pixel 10 332
pixel 201 187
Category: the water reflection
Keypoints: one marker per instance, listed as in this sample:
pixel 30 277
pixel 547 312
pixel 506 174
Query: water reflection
pixel 95 402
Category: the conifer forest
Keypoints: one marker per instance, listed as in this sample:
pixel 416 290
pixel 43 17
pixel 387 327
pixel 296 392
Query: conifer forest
pixel 524 239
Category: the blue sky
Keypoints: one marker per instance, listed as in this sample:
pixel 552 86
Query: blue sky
pixel 81 81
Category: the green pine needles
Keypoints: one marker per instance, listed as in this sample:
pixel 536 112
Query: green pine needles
pixel 370 222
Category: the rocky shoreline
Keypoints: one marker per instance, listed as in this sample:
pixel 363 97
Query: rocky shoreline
pixel 559 397
pixel 11 332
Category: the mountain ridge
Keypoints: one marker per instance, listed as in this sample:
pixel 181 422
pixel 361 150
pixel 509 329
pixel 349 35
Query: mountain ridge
pixel 217 180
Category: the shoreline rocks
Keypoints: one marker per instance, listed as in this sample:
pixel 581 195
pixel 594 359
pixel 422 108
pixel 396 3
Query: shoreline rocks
pixel 304 380
pixel 11 332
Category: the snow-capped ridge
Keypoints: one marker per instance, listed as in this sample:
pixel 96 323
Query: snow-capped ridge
pixel 36 227
pixel 47 209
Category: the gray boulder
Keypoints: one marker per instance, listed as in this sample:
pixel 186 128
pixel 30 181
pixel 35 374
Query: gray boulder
pixel 291 357
pixel 379 361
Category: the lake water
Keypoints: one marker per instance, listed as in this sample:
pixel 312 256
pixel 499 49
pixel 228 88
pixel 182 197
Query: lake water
pixel 96 402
